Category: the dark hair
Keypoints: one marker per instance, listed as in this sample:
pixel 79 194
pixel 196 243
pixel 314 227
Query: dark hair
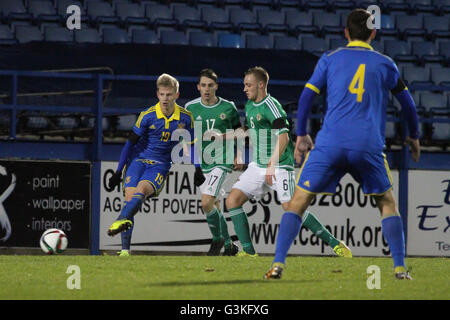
pixel 357 25
pixel 209 73
pixel 260 73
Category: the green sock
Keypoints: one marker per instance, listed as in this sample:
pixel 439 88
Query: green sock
pixel 224 230
pixel 311 222
pixel 213 220
pixel 242 228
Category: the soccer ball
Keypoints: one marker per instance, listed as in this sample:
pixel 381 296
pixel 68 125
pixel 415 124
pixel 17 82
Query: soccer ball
pixel 53 241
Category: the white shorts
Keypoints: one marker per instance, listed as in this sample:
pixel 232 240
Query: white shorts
pixel 253 183
pixel 213 183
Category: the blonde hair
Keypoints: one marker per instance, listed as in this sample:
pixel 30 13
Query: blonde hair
pixel 259 73
pixel 167 81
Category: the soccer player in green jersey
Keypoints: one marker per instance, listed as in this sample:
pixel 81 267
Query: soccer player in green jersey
pixel 219 115
pixel 271 168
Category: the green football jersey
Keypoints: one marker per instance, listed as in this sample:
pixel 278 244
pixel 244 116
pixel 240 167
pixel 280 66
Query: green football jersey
pixel 263 137
pixel 219 117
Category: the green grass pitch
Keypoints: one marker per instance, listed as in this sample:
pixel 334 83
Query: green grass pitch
pixel 216 278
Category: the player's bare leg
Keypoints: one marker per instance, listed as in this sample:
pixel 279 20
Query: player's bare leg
pixel 393 232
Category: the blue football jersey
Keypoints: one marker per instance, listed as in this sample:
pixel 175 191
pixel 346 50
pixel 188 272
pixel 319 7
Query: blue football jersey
pixel 358 81
pixel 157 132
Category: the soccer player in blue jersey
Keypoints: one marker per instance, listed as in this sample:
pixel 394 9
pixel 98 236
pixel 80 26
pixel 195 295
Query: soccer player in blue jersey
pixel 358 81
pixel 148 171
pixel 129 187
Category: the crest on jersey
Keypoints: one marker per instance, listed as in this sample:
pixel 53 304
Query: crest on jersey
pixel 223 116
pixel 180 125
pixel 152 126
pixel 127 179
pixel 258 117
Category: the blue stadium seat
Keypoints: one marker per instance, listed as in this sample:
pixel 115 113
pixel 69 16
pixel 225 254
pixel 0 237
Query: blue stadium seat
pixel 230 40
pixel 257 5
pixel 315 6
pixel 417 77
pixel 342 5
pixel 272 21
pixel 216 18
pixel 289 5
pixel 390 130
pixel 87 36
pixel 14 10
pixel 145 37
pixel 301 22
pixel 422 6
pixel 131 13
pixel 396 6
pixel 387 26
pixel 115 35
pixel 377 46
pixel 244 20
pixel 430 100
pixel 36 122
pixel 202 39
pixel 174 37
pixel 437 27
pixel 59 34
pixel 441 77
pixel 444 50
pixel 410 25
pixel 5 33
pixel 314 45
pixel 257 42
pixel 160 15
pixel 328 22
pixel 399 51
pixel 427 51
pixel 67 123
pixel 442 6
pixel 441 130
pixel 337 43
pixel 189 18
pixel 43 10
pixel 286 43
pixel 26 34
pixel 126 122
pixel 102 12
pixel 89 122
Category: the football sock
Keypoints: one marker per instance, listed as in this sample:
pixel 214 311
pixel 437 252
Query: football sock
pixel 289 228
pixel 130 209
pixel 126 236
pixel 224 230
pixel 242 228
pixel 393 233
pixel 213 220
pixel 311 222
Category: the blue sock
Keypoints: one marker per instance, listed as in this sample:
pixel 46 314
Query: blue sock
pixel 289 228
pixel 126 236
pixel 393 232
pixel 130 209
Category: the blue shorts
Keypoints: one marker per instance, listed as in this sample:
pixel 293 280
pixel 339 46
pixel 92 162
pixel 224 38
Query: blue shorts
pixel 155 173
pixel 324 167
